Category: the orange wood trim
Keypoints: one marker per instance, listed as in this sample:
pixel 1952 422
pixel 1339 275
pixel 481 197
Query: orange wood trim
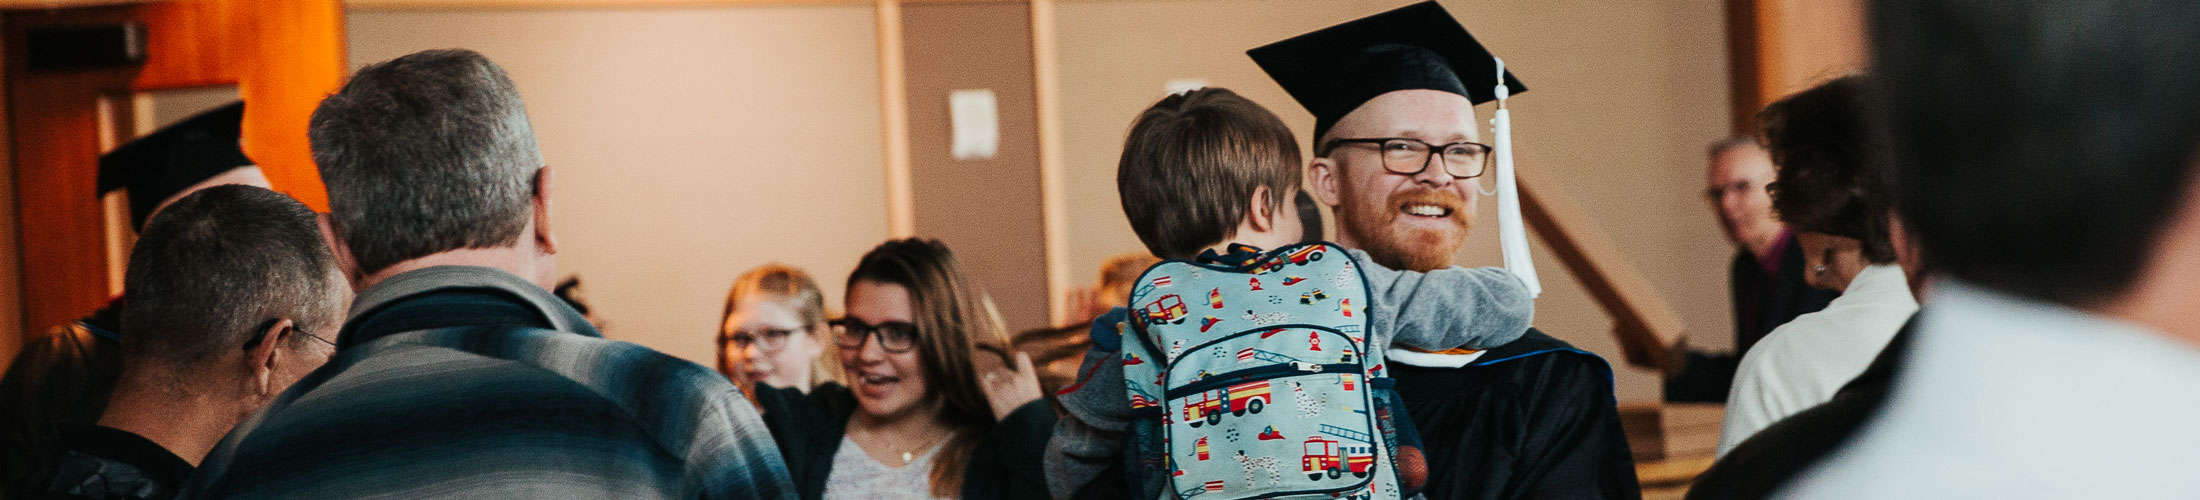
pixel 294 57
pixel 1053 197
pixel 901 217
pixel 1645 324
pixel 54 128
pixel 1745 50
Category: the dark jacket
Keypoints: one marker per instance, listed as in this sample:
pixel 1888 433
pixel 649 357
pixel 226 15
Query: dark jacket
pixel 809 428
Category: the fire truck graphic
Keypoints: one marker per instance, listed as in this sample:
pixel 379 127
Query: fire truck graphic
pixel 1169 309
pixel 1306 254
pixel 1236 400
pixel 1351 451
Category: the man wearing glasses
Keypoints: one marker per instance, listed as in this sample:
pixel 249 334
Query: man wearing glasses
pixel 232 295
pixel 1400 159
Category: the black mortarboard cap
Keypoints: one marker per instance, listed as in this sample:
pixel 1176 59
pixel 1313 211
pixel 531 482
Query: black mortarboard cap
pixel 168 160
pixel 1333 71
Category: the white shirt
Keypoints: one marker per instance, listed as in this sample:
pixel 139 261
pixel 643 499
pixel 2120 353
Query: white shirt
pixel 2006 397
pixel 856 475
pixel 1802 363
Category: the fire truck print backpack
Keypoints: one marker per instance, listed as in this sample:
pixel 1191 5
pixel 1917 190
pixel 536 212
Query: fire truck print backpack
pixel 1251 377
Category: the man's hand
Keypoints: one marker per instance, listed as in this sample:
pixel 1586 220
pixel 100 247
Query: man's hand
pixel 1010 387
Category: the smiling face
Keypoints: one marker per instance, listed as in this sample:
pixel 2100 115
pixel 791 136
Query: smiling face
pixel 1415 222
pixel 886 384
pixel 779 348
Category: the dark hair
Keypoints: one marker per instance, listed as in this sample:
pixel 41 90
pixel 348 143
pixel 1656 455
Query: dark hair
pixel 952 327
pixel 1831 164
pixel 214 269
pixel 1310 216
pixel 2042 146
pixel 1191 164
pixel 425 153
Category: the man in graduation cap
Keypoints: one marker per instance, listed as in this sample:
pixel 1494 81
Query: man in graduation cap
pixel 62 378
pixel 1398 157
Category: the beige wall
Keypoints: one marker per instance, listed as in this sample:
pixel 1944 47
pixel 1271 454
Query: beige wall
pixel 690 144
pixel 1624 96
pixel 986 210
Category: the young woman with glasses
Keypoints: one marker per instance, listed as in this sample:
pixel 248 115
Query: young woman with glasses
pixel 773 331
pixel 926 411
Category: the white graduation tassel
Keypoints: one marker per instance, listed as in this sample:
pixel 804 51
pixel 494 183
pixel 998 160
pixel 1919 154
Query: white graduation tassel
pixel 1512 233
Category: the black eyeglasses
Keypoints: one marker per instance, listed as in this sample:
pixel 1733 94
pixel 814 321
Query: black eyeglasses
pixel 255 341
pixel 767 339
pixel 1463 160
pixel 893 336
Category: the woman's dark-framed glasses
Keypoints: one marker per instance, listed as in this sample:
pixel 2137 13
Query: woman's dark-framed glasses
pixel 766 339
pixel 893 336
pixel 1408 156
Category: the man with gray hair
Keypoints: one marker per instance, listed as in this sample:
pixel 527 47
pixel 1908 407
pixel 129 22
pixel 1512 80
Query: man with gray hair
pixel 458 374
pixel 232 295
pixel 1765 281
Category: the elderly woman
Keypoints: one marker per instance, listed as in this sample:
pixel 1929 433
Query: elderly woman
pixel 1830 189
pixel 930 408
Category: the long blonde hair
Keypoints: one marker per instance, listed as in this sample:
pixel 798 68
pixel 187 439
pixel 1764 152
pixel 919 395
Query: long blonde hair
pixel 952 327
pixel 780 281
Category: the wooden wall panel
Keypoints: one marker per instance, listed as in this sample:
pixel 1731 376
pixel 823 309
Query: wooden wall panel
pixel 283 56
pixel 987 210
pixel 54 127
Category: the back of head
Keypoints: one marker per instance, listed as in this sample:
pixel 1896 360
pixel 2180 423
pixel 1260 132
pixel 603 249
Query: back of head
pixel 1192 163
pixel 2041 146
pixel 425 153
pixel 217 268
pixel 1830 153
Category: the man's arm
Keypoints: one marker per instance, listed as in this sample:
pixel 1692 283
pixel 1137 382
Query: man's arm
pixel 1475 308
pixel 1088 436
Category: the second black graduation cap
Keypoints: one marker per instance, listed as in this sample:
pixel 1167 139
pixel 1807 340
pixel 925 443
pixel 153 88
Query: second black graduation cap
pixel 1333 71
pixel 175 157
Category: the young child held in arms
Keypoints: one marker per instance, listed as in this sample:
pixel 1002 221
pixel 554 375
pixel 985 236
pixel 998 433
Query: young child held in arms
pixel 1207 169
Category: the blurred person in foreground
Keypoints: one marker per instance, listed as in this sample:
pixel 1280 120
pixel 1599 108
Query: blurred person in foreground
pixel 2045 155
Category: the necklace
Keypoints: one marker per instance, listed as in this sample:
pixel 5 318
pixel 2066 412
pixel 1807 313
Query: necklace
pixel 893 443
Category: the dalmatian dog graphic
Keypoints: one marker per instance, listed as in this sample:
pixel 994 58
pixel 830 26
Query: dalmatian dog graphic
pixel 1253 464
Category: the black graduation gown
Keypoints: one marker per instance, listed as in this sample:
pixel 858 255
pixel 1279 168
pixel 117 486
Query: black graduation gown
pixel 59 381
pixel 1762 302
pixel 104 463
pixel 1766 461
pixel 1534 418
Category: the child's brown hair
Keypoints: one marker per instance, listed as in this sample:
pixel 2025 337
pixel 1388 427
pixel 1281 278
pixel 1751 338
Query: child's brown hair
pixel 1192 164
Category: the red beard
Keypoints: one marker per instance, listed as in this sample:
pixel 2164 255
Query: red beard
pixel 1414 249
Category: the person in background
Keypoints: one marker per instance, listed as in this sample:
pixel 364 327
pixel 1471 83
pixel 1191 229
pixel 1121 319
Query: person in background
pixel 1057 351
pixel 233 295
pixel 569 290
pixel 458 373
pixel 2045 160
pixel 773 331
pixel 1766 283
pixel 1831 163
pixel 917 418
pixel 62 378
